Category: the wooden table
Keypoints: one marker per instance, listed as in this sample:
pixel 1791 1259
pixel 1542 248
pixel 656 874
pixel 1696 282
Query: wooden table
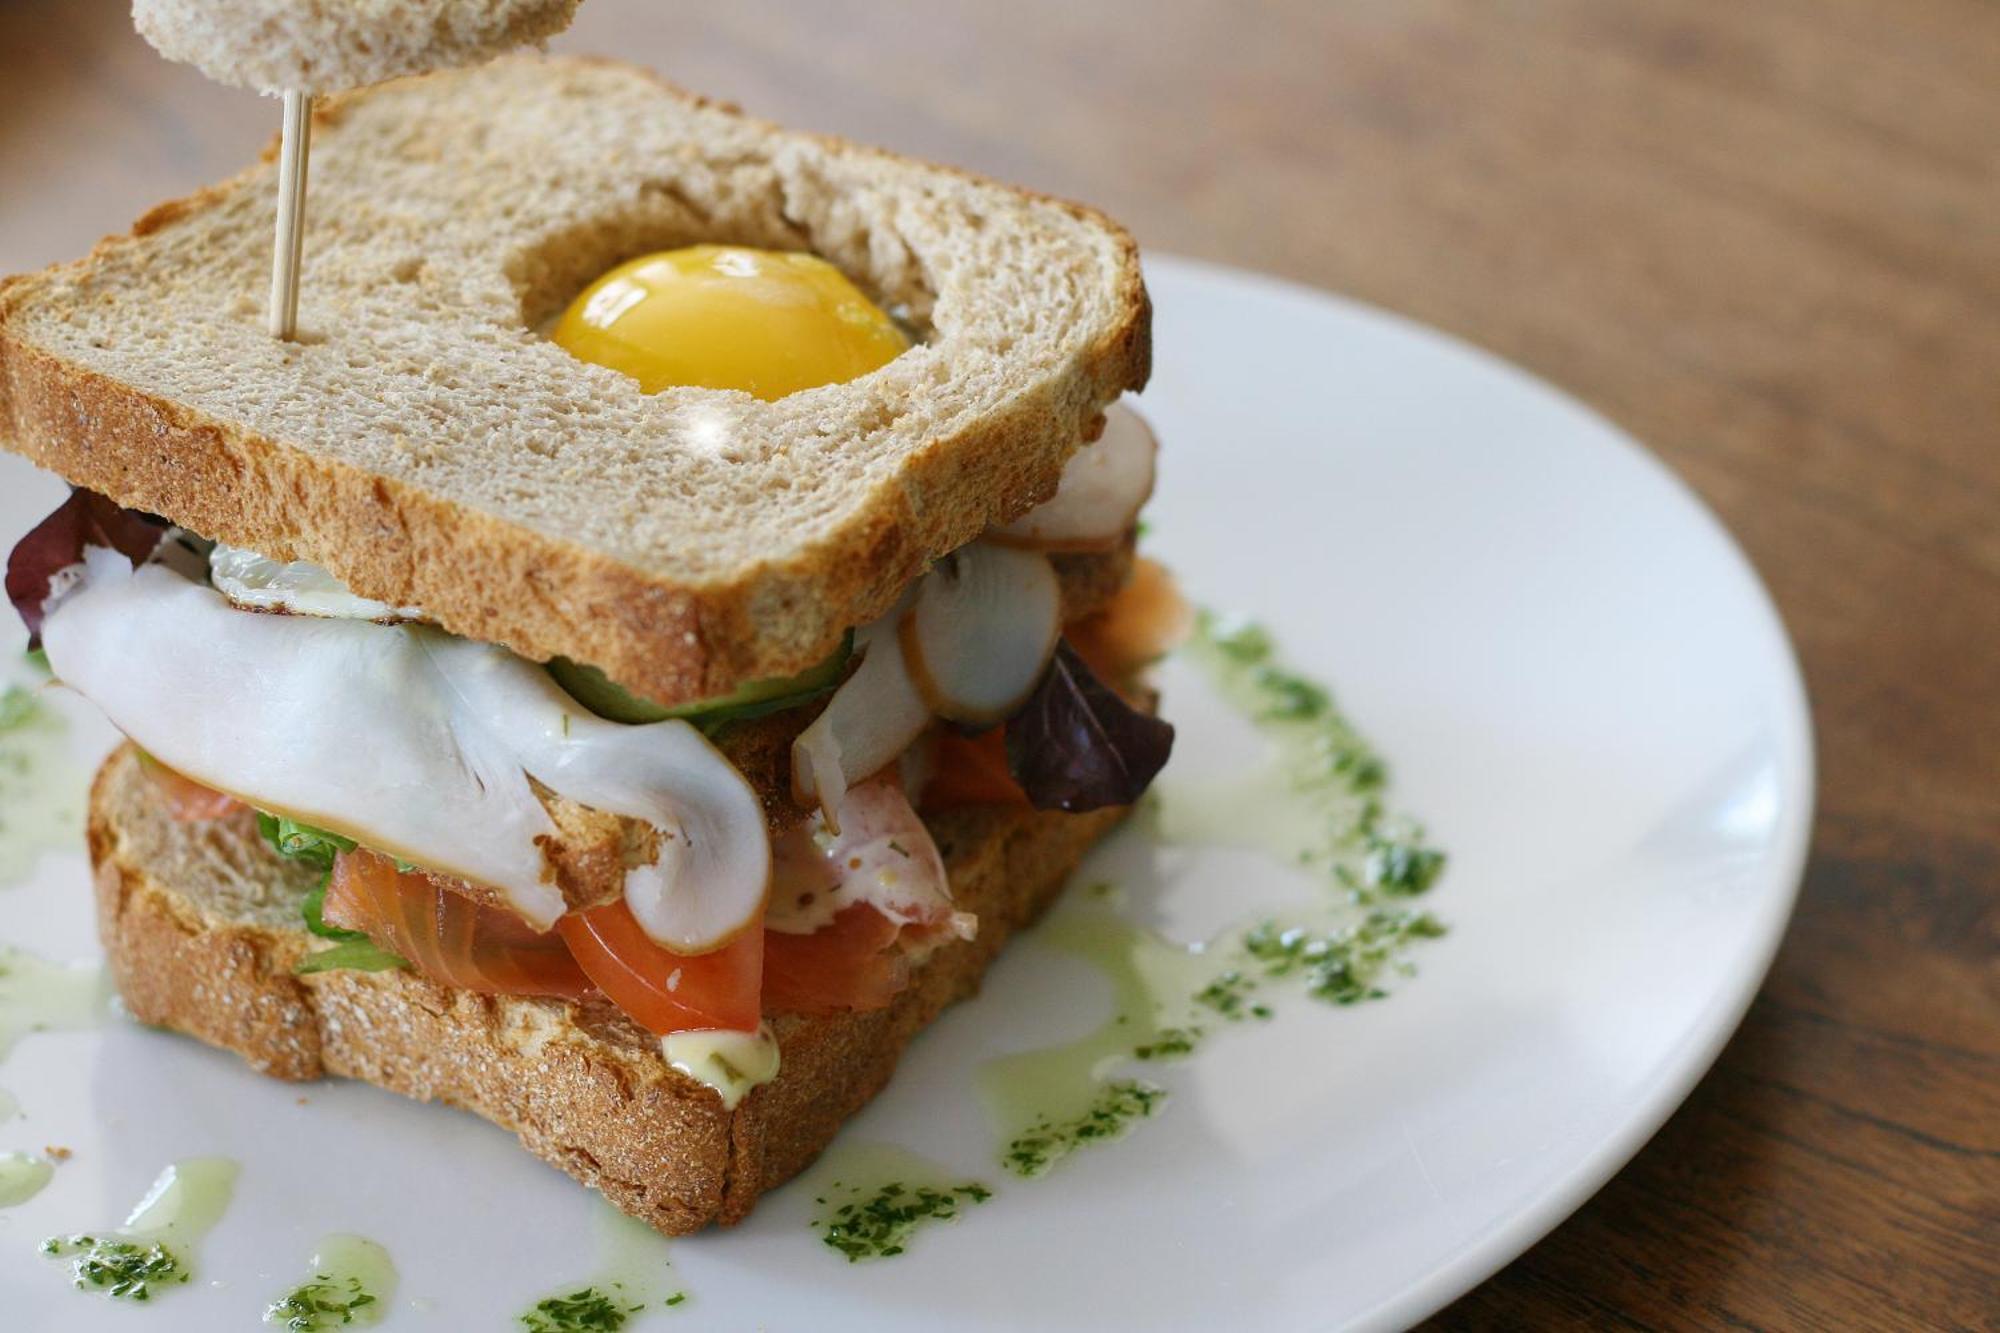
pixel 1765 236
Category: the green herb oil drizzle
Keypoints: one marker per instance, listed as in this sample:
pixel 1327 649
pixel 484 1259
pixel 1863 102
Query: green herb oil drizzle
pixel 152 1249
pixel 874 1198
pixel 352 1284
pixel 578 1311
pixel 1318 804
pixel 40 996
pixel 41 786
pixel 22 1177
pixel 1049 1102
pixel 635 1275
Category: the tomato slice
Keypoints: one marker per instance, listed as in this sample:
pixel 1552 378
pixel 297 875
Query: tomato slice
pixel 1146 620
pixel 970 770
pixel 661 990
pixel 186 800
pixel 444 934
pixel 851 963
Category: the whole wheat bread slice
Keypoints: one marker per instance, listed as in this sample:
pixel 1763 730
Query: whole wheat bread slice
pixel 429 446
pixel 316 47
pixel 200 923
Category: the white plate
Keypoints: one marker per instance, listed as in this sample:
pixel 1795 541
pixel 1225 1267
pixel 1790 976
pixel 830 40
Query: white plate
pixel 1582 689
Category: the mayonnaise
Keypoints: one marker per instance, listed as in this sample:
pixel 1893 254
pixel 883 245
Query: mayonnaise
pixel 728 1061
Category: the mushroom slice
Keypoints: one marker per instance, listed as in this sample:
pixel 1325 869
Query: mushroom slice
pixel 872 718
pixel 714 864
pixel 981 630
pixel 1102 490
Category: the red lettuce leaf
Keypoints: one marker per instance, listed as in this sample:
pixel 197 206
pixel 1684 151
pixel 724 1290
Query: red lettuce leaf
pixel 1076 745
pixel 57 542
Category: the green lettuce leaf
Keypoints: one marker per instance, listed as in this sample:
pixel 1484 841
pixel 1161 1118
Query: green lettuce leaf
pixel 302 842
pixel 360 955
pixel 317 847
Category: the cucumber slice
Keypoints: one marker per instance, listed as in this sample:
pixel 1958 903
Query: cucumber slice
pixel 608 699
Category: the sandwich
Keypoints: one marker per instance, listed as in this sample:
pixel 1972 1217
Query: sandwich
pixel 637 655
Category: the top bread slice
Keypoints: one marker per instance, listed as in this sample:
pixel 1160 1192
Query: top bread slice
pixel 274 45
pixel 424 441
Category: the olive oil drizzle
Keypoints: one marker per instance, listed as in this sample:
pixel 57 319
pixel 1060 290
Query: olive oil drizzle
pixel 39 996
pixel 635 1276
pixel 154 1247
pixel 352 1285
pixel 22 1177
pixel 41 785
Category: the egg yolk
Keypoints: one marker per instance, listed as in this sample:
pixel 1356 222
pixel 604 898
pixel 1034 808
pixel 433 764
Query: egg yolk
pixel 729 317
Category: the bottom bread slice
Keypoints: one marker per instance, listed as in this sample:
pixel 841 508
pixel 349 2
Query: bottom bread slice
pixel 200 923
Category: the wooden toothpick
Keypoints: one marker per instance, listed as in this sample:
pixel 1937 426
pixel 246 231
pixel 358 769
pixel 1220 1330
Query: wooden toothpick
pixel 289 246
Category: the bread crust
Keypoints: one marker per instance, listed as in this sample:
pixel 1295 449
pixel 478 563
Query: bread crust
pixel 540 591
pixel 195 925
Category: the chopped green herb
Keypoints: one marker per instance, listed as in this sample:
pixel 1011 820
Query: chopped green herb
pixel 1238 640
pixel 1399 866
pixel 675 1299
pixel 585 1311
pixel 1345 965
pixel 1226 994
pixel 1109 1117
pixel 125 1269
pixel 320 1304
pixel 1169 1044
pixel 880 1225
pixel 1291 697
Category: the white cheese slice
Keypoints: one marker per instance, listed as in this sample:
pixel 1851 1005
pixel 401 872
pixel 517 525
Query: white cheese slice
pixel 409 740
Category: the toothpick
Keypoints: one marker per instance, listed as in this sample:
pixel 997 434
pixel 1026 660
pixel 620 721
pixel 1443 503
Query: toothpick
pixel 289 246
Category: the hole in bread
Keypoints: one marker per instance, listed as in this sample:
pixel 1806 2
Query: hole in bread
pixel 667 213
